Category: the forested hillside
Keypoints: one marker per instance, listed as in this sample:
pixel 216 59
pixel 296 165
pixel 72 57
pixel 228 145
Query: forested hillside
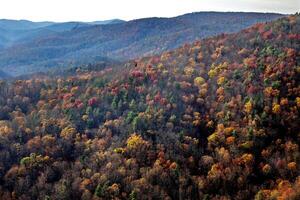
pixel 74 43
pixel 215 119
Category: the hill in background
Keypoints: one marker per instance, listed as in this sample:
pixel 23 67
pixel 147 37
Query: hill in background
pixel 18 31
pixel 75 43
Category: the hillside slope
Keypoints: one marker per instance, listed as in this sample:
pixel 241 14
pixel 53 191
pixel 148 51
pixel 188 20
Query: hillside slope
pixel 120 41
pixel 216 119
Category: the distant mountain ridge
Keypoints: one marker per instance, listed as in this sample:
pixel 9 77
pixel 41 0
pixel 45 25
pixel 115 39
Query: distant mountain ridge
pixel 111 21
pixel 22 24
pixel 15 31
pixel 10 24
pixel 77 43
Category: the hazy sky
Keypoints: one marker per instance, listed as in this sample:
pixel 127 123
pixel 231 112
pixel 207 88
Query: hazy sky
pixel 91 10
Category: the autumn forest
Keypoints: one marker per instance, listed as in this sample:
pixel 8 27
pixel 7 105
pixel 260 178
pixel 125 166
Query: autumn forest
pixel 218 118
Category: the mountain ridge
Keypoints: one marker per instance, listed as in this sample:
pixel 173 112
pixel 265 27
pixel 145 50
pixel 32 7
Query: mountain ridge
pixel 121 41
pixel 21 30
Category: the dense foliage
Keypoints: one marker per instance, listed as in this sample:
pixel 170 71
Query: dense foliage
pixel 217 119
pixel 62 45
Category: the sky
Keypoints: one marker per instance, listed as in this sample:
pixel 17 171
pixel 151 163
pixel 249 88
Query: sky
pixel 93 10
